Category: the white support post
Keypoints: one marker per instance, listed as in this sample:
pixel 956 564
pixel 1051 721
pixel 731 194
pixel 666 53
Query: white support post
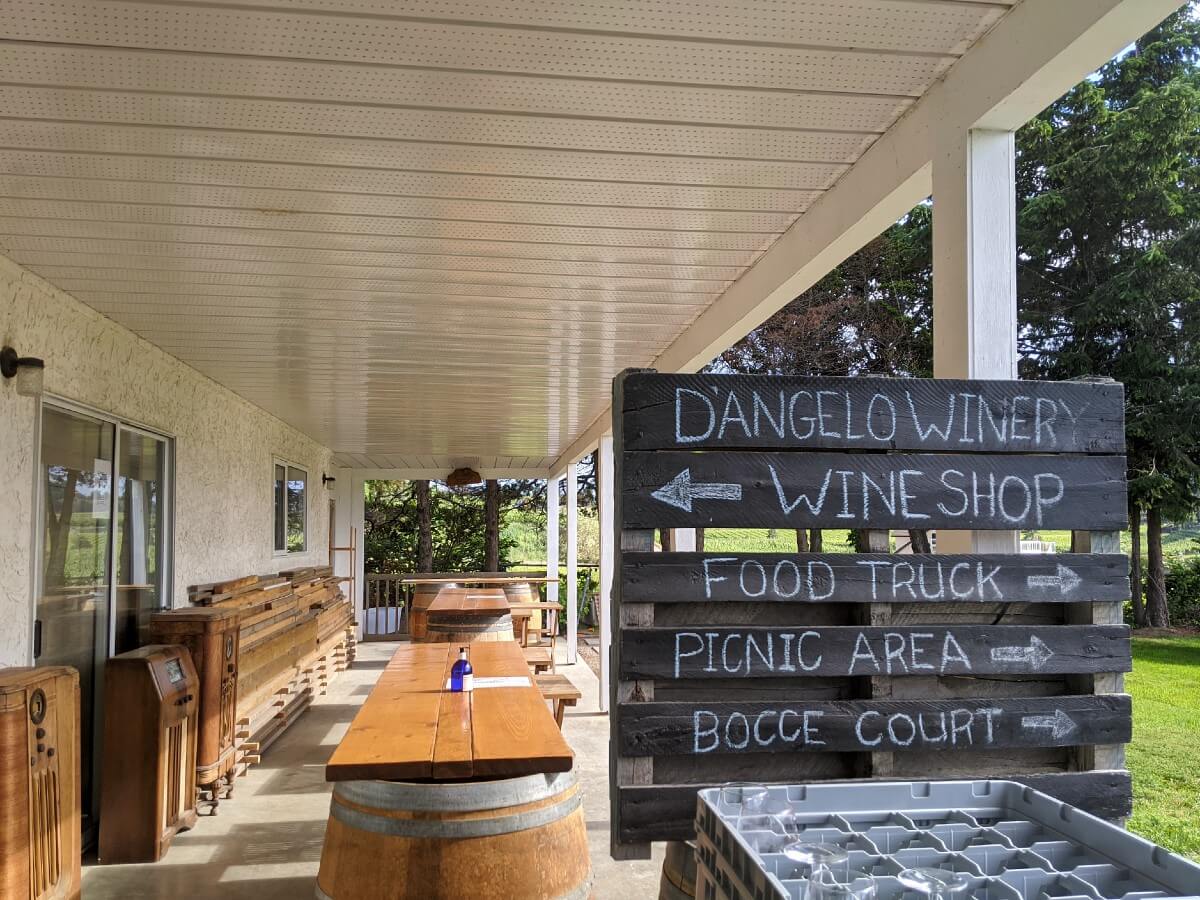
pixel 358 515
pixel 975 276
pixel 552 539
pixel 607 498
pixel 683 540
pixel 572 561
pixel 343 493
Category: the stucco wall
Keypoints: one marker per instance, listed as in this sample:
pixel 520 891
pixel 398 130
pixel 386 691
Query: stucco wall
pixel 223 447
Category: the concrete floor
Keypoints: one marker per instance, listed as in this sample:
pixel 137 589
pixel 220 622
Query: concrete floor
pixel 266 842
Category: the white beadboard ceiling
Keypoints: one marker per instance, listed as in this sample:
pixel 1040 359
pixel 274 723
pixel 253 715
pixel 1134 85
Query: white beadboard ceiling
pixel 431 231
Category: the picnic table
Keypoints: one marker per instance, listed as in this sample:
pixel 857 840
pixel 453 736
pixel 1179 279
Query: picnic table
pixel 411 727
pixel 466 615
pixel 434 789
pixel 427 585
pixel 480 578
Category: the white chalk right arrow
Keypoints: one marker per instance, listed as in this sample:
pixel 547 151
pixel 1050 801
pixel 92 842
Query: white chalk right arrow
pixel 1064 579
pixel 1060 724
pixel 1035 655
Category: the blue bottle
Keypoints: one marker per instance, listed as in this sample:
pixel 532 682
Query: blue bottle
pixel 461 674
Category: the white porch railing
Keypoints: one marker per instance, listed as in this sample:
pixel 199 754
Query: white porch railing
pixel 385 606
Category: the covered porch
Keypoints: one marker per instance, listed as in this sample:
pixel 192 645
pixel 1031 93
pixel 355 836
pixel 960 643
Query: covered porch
pixel 267 845
pixel 302 246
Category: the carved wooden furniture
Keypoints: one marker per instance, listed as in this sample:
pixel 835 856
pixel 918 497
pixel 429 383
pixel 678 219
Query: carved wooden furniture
pixel 295 629
pixel 148 785
pixel 210 635
pixel 39 783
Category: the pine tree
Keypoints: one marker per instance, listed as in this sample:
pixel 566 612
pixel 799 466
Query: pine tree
pixel 1109 261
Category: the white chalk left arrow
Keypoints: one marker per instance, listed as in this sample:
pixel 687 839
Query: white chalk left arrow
pixel 680 491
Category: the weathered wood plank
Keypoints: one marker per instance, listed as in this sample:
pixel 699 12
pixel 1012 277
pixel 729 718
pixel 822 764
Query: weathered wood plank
pixel 666 412
pixel 667 812
pixel 754 653
pixel 873 577
pixel 873 490
pixel 625 770
pixel 651 729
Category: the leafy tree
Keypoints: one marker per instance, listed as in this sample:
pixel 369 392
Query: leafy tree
pixel 1108 236
pixel 1109 272
pixel 391 535
pixel 871 315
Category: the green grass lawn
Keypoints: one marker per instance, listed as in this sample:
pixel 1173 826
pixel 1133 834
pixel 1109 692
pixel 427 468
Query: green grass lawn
pixel 1165 685
pixel 1178 542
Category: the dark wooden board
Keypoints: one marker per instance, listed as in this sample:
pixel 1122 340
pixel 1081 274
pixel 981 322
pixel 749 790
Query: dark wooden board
pixel 667 812
pixel 671 412
pixel 749 654
pixel 809 490
pixel 873 577
pixel 655 729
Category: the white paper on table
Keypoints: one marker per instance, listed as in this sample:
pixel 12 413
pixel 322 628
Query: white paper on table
pixel 497 681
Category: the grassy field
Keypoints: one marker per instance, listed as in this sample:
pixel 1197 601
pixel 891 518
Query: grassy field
pixel 531 541
pixel 1165 685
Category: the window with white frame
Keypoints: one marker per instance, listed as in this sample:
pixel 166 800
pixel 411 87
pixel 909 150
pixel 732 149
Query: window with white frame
pixel 291 508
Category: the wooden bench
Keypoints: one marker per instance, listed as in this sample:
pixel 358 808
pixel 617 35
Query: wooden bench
pixel 559 691
pixel 540 659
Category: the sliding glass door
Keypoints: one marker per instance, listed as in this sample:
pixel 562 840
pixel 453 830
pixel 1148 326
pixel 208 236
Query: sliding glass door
pixel 103 509
pixel 140 534
pixel 72 627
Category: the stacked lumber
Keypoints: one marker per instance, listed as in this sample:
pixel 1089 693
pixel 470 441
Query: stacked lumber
pixel 296 631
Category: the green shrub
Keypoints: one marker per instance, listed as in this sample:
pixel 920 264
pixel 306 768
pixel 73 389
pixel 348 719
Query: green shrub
pixel 1183 592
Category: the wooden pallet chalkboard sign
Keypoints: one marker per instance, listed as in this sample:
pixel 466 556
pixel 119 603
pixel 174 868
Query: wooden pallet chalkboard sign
pixel 805 666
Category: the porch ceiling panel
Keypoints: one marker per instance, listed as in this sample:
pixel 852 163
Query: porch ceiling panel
pixel 431 231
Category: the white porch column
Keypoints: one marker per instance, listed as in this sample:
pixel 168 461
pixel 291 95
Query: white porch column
pixel 606 495
pixel 975 276
pixel 349 513
pixel 552 539
pixel 572 561
pixel 683 539
pixel 358 516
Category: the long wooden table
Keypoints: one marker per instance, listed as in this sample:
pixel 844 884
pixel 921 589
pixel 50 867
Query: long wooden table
pixel 412 728
pixel 468 601
pixel 482 578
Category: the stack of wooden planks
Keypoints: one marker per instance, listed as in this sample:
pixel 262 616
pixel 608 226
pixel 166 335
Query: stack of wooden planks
pixel 296 629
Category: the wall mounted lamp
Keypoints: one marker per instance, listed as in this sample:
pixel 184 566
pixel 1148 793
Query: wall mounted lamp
pixel 327 480
pixel 28 370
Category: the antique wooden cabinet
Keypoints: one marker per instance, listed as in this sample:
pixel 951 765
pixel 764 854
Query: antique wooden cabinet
pixel 39 783
pixel 148 785
pixel 210 635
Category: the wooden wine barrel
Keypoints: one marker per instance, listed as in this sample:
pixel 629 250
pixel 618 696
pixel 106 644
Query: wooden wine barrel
pixel 423 595
pixel 454 626
pixel 525 592
pixel 489 840
pixel 679 872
